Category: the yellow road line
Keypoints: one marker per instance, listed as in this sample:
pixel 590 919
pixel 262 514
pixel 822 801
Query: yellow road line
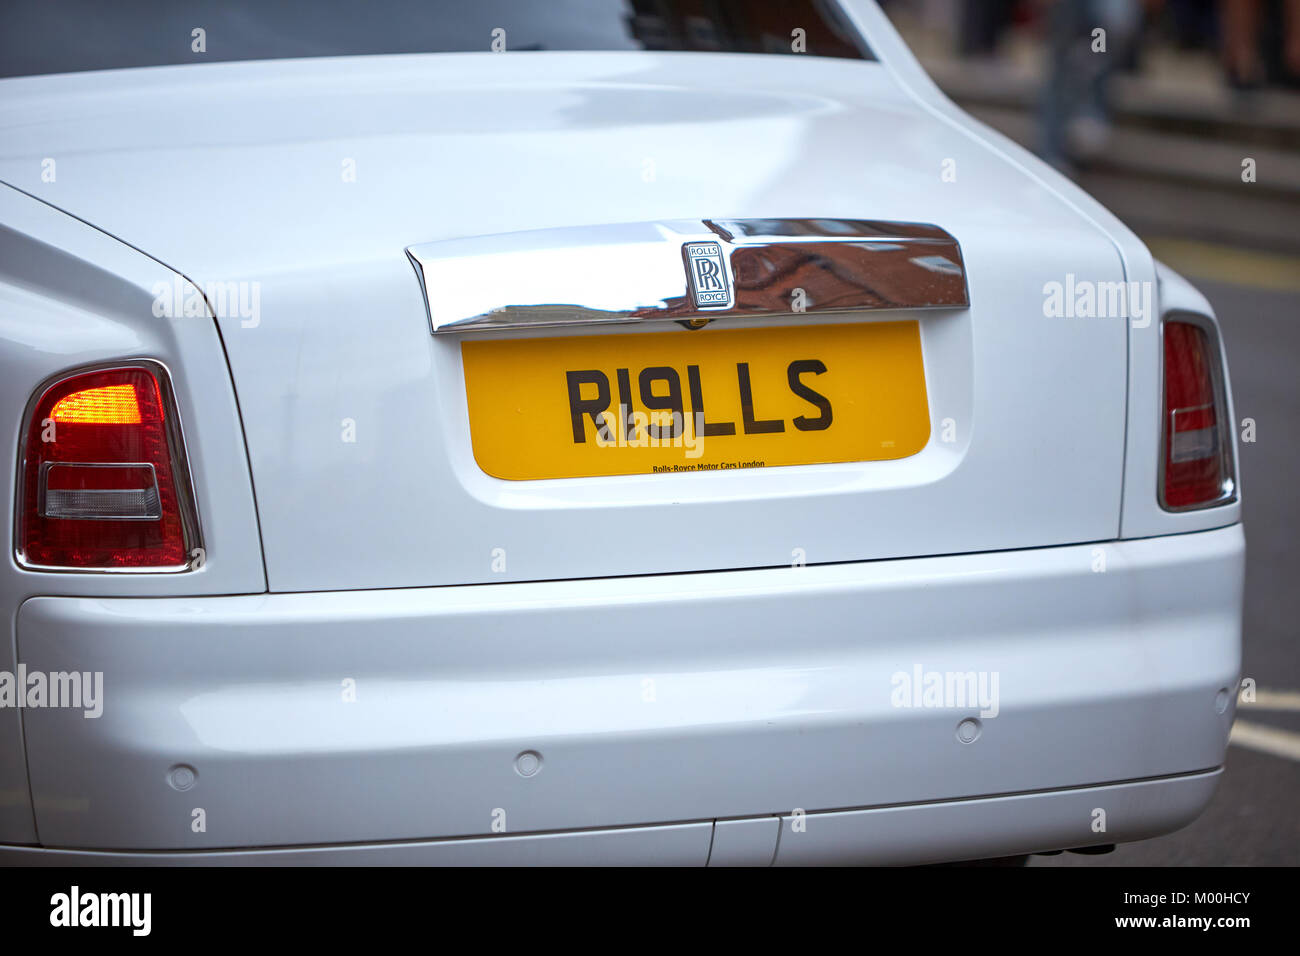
pixel 1269 740
pixel 1206 260
pixel 1272 700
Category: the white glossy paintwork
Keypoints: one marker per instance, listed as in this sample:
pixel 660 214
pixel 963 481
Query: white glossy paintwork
pixel 748 841
pixel 656 699
pixel 1141 513
pixel 71 296
pixel 903 835
pixel 768 682
pixel 1005 826
pixel 449 146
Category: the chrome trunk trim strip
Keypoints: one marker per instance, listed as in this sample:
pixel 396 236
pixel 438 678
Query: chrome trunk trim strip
pixel 690 270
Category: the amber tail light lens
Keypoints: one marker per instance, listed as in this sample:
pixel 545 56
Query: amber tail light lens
pixel 104 483
pixel 1197 436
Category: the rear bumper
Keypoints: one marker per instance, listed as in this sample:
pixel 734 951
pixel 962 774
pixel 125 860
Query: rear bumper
pixel 677 699
pixel 921 833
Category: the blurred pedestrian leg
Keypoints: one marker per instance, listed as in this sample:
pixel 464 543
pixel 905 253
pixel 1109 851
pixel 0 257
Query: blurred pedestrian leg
pixel 982 25
pixel 1242 59
pixel 1088 41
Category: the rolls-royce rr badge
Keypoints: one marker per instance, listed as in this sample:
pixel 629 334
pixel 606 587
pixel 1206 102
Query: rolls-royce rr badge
pixel 706 272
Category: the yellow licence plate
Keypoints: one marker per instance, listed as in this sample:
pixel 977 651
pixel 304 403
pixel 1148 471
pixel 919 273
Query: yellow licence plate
pixel 707 400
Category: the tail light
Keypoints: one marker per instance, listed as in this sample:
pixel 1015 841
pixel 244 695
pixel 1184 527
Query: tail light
pixel 103 481
pixel 1197 435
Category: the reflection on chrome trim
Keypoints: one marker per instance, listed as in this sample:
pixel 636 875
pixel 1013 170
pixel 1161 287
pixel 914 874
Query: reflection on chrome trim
pixel 637 272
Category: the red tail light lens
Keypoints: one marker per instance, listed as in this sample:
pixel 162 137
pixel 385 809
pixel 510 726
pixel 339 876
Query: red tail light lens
pixel 104 480
pixel 1197 434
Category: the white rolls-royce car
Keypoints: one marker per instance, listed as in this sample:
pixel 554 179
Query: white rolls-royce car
pixel 595 432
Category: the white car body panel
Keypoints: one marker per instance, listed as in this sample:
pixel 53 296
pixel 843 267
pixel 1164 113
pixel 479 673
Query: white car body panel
pixel 1036 403
pixel 1006 550
pixel 670 698
pixel 1141 513
pixel 71 296
pixel 885 836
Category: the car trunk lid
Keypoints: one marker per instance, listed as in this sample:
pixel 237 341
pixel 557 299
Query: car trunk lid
pixel 292 190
